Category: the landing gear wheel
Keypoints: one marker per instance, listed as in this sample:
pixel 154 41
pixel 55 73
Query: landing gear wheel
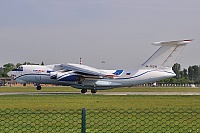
pixel 83 90
pixel 93 91
pixel 38 87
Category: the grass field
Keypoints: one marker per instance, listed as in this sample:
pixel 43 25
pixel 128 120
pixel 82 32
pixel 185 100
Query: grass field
pixel 125 89
pixel 105 113
pixel 77 101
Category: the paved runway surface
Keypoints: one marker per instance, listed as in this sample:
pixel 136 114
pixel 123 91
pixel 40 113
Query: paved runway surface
pixel 101 93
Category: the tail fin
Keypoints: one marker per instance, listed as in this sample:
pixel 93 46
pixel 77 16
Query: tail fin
pixel 167 54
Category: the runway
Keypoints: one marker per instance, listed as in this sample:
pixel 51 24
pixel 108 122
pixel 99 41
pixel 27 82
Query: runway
pixel 102 93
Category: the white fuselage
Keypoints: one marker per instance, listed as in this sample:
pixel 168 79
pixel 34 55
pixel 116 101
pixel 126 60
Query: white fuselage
pixel 42 75
pixel 157 67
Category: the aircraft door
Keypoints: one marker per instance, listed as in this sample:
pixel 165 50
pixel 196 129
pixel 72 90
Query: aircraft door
pixel 38 76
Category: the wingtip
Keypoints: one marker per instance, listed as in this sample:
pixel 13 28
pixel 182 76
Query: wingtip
pixel 188 40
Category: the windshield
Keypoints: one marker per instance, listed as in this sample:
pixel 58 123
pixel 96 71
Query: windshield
pixel 20 68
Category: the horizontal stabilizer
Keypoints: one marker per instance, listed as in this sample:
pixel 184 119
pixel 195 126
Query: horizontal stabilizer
pixel 180 42
pixel 167 54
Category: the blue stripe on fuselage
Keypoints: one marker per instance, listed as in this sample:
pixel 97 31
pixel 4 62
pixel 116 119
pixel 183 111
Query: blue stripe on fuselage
pixel 48 71
pixel 142 74
pixel 118 72
pixel 31 75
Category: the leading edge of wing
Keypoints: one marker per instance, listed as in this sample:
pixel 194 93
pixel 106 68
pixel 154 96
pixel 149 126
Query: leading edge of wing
pixel 79 68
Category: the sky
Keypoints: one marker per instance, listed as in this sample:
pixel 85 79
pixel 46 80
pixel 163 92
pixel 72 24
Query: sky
pixel 116 32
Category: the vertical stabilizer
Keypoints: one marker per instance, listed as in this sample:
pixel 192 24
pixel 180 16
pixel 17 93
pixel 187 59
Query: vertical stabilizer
pixel 167 54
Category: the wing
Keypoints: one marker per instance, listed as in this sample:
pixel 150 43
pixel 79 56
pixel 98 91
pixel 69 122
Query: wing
pixel 85 70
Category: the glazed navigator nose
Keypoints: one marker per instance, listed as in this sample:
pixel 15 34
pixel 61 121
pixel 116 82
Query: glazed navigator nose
pixel 9 73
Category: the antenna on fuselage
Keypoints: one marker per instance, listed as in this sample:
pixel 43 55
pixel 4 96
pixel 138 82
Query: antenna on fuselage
pixel 80 61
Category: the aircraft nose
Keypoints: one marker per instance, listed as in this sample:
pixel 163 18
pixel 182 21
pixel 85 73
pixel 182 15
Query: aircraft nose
pixel 9 73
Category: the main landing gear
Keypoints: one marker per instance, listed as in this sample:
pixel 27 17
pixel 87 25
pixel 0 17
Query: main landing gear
pixel 93 91
pixel 83 90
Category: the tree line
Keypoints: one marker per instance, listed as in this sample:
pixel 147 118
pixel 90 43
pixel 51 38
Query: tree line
pixel 185 76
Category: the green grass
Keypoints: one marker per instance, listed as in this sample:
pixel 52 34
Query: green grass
pixel 105 113
pixel 154 89
pixel 33 89
pixel 78 101
pixel 125 89
pixel 101 120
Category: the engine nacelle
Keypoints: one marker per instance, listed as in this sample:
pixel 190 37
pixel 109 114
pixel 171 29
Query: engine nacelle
pixel 67 76
pixel 53 75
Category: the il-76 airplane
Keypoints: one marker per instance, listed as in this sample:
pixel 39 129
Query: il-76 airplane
pixel 157 67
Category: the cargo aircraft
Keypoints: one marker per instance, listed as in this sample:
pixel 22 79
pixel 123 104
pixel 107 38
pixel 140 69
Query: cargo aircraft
pixel 157 67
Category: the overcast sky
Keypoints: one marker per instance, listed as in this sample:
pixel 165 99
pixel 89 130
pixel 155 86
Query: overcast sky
pixel 118 32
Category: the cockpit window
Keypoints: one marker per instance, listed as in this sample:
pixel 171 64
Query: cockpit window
pixel 20 68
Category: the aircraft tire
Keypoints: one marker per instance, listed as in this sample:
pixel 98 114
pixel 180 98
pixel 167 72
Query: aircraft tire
pixel 93 91
pixel 38 87
pixel 83 90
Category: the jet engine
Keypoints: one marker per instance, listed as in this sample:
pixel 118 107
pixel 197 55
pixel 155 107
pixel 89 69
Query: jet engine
pixel 66 76
pixel 53 75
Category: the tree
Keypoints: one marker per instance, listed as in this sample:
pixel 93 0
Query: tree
pixel 1 71
pixel 6 68
pixel 194 73
pixel 42 63
pixel 18 64
pixel 185 74
pixel 191 73
pixel 29 63
pixel 176 68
